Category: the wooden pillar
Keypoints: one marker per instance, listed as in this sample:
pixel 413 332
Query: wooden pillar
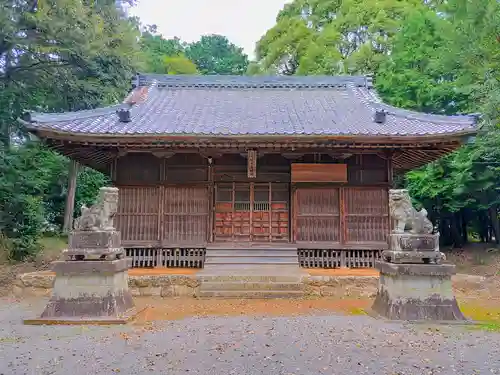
pixel 390 171
pixel 70 197
pixel 390 180
pixel 211 200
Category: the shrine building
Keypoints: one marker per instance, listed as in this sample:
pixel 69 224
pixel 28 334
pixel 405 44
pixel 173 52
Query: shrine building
pixel 252 170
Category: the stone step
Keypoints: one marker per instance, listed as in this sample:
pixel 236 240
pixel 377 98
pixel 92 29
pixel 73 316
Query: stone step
pixel 251 269
pixel 265 294
pixel 248 286
pixel 250 260
pixel 267 247
pixel 254 253
pixel 230 278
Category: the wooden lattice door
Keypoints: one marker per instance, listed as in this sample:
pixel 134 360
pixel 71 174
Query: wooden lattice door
pixel 317 215
pixel 251 212
pixel 184 215
pixel 366 215
pixel 138 213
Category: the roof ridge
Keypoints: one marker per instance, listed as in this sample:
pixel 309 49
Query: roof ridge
pixel 266 82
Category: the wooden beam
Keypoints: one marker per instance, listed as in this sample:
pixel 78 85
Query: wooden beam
pixel 70 197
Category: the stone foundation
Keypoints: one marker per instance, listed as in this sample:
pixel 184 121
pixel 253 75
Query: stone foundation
pixel 341 286
pixel 416 292
pixel 40 284
pixel 165 286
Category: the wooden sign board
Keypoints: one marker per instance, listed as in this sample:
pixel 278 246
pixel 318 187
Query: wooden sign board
pixel 252 164
pixel 319 172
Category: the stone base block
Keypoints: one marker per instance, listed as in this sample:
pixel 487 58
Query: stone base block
pixel 92 245
pixel 94 254
pixel 409 241
pixel 416 292
pixel 94 239
pixel 89 291
pixel 413 248
pixel 412 257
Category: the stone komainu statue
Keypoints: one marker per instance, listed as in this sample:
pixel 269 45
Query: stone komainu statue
pixel 99 217
pixel 404 216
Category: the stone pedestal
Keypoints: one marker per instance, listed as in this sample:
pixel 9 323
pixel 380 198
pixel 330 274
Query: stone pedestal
pixel 416 292
pixel 413 248
pixel 89 292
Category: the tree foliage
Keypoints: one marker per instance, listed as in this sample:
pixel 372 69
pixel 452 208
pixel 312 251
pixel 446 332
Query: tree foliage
pixel 62 67
pixel 212 54
pixel 332 36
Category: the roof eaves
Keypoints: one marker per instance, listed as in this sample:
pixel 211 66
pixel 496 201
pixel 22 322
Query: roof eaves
pixel 370 138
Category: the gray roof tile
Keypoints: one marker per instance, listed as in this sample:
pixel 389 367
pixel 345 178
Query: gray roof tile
pixel 231 106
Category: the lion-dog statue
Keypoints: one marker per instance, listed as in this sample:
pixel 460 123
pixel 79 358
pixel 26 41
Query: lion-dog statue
pixel 99 217
pixel 405 216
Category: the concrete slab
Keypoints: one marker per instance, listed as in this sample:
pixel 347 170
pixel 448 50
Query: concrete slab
pixel 125 318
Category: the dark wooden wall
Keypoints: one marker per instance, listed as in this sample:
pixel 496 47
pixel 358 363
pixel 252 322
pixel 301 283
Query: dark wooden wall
pixel 166 200
pixel 148 169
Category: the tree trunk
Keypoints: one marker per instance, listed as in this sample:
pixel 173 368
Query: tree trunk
pixel 455 229
pixel 446 237
pixel 465 234
pixel 495 223
pixel 483 226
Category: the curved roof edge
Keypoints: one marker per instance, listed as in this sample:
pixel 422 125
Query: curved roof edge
pixel 47 118
pixel 372 99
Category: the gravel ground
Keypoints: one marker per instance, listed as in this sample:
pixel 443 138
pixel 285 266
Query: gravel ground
pixel 303 345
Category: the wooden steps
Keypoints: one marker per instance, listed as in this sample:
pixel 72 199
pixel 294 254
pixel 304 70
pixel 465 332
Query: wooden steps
pixel 248 256
pixel 256 271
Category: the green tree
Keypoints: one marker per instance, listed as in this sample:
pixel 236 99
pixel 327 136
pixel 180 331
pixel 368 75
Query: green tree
pixel 413 76
pixel 62 67
pixel 55 55
pixel 179 64
pixel 156 49
pixel 331 36
pixel 214 54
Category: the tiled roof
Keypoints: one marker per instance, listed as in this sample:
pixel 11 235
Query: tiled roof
pixel 239 106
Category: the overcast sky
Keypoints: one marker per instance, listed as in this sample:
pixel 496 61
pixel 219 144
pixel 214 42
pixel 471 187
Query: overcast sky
pixel 243 22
